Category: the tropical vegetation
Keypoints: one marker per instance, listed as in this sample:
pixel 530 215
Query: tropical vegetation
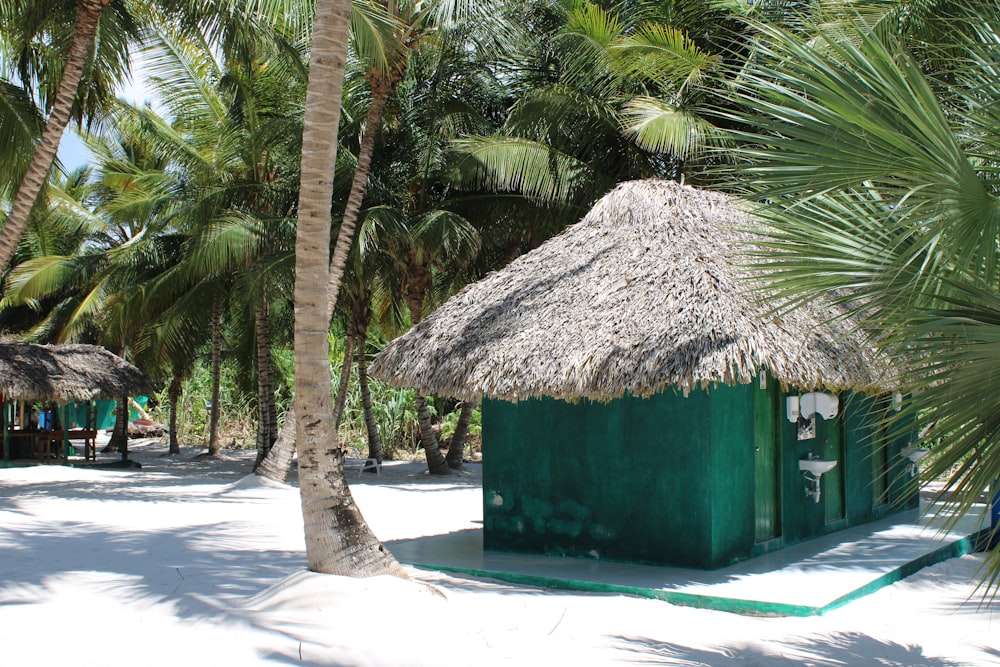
pixel 873 157
pixel 392 152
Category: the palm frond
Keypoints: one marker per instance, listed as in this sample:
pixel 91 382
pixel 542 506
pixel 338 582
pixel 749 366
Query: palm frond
pixel 519 165
pixel 375 36
pixel 664 54
pixel 661 127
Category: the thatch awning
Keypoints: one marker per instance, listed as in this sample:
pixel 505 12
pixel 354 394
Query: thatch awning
pixel 64 373
pixel 640 295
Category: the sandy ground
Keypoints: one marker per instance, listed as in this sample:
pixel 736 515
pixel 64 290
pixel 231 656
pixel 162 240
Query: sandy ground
pixel 189 562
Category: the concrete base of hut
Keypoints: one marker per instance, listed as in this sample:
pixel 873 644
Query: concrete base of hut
pixel 807 579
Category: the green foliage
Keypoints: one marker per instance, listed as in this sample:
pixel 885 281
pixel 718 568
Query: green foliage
pixel 450 421
pixel 238 410
pixel 876 154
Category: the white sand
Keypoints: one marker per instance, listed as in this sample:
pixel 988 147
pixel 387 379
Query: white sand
pixel 188 562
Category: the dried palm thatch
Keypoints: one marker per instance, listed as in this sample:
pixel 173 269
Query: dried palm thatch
pixel 64 373
pixel 642 294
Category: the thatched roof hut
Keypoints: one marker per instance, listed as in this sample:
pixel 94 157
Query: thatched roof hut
pixel 644 293
pixel 64 373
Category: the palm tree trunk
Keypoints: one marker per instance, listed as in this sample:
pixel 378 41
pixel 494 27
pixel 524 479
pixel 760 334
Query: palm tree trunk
pixel 267 421
pixel 88 15
pixel 119 436
pixel 174 397
pixel 338 541
pixel 278 462
pixel 276 467
pixel 345 379
pixel 374 441
pixel 359 184
pixel 436 463
pixel 456 450
pixel 213 419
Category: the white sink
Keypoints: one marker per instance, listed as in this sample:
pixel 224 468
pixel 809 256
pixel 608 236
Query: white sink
pixel 915 453
pixel 816 467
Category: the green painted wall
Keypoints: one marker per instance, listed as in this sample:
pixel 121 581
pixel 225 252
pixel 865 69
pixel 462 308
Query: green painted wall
pixel 668 479
pixel 597 480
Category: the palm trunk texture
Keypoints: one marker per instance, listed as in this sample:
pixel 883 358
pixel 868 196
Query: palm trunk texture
pixel 456 450
pixel 338 541
pixel 359 185
pixel 267 420
pixel 345 380
pixel 374 441
pixel 174 397
pixel 277 469
pixel 88 16
pixel 417 287
pixel 278 462
pixel 213 420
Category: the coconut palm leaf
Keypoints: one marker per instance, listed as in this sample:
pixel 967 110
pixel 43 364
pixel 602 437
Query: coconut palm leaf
pixel 661 127
pixel 664 54
pixel 876 172
pixel 20 125
pixel 521 165
pixel 451 236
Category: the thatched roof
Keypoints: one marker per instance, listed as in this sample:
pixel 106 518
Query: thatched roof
pixel 64 373
pixel 640 295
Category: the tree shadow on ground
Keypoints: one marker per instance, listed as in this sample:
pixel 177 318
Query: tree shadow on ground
pixel 834 650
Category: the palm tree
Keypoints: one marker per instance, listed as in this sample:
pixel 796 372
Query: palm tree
pixel 605 96
pixel 877 154
pixel 338 541
pixel 88 16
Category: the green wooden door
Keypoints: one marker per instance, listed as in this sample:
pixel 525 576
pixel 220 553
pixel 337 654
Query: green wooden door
pixel 767 475
pixel 833 481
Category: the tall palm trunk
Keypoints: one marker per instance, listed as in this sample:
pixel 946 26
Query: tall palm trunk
pixel 87 17
pixel 174 397
pixel 361 321
pixel 213 420
pixel 119 435
pixel 456 450
pixel 381 89
pixel 345 379
pixel 338 541
pixel 278 462
pixel 418 284
pixel 267 419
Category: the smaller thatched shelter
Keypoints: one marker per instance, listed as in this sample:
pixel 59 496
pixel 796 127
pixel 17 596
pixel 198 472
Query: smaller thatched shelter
pixel 630 409
pixel 65 373
pixel 61 375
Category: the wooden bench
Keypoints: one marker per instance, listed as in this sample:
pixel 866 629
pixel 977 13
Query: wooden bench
pixel 47 438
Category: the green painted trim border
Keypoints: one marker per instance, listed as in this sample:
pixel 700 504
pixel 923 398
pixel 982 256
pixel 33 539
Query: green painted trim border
pixel 955 549
pixel 960 547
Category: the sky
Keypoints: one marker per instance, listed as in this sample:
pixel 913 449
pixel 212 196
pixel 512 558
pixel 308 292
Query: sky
pixel 73 151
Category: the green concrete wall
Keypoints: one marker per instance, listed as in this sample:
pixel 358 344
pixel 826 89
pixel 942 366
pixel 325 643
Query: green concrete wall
pixel 668 479
pixel 597 480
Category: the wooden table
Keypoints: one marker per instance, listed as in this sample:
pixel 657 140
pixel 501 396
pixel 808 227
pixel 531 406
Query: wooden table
pixel 40 442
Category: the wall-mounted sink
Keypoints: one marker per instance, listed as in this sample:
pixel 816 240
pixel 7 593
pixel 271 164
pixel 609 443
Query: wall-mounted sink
pixel 915 454
pixel 813 469
pixel 816 467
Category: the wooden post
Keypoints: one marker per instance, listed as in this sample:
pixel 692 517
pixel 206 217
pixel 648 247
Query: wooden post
pixel 124 445
pixel 64 422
